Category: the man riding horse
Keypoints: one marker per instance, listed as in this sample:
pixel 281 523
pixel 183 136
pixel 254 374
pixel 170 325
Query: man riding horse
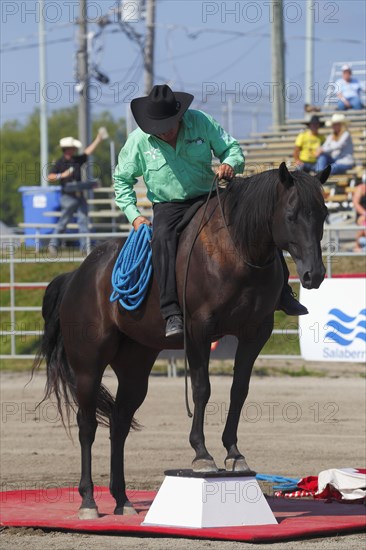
pixel 172 149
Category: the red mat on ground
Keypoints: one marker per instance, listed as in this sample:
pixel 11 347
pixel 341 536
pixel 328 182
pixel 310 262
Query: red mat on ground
pixel 57 508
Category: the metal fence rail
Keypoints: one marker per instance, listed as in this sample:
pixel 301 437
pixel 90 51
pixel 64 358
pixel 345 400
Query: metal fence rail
pixel 14 252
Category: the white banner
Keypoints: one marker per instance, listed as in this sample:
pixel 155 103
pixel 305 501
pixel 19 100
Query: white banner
pixel 335 329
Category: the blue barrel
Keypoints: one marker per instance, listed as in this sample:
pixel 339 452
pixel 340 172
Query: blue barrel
pixel 37 200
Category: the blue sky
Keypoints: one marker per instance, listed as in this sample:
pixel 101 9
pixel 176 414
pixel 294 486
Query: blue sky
pixel 205 47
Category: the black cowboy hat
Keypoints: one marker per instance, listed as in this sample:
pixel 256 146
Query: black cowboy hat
pixel 315 120
pixel 160 110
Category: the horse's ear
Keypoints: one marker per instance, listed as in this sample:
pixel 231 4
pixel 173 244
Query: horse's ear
pixel 285 176
pixel 324 174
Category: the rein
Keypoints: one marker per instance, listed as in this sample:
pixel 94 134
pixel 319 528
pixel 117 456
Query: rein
pixel 214 184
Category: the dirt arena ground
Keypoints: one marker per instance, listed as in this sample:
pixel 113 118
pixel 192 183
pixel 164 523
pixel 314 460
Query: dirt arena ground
pixel 291 426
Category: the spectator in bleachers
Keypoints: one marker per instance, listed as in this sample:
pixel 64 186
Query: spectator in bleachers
pixel 359 203
pixel 337 149
pixel 348 91
pixel 307 144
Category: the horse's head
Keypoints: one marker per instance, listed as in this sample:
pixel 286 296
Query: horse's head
pixel 298 222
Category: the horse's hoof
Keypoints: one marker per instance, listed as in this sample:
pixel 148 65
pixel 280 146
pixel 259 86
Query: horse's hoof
pixel 204 465
pixel 126 510
pixel 88 513
pixel 237 465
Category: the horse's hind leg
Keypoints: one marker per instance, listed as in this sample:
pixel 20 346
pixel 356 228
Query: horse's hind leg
pixel 87 387
pixel 132 366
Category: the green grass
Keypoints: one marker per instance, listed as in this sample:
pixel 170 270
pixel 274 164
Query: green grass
pixel 16 365
pixel 28 320
pixel 302 371
pixel 284 344
pixel 225 367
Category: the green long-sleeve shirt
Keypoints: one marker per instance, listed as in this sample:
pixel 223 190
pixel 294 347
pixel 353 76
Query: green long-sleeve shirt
pixel 174 174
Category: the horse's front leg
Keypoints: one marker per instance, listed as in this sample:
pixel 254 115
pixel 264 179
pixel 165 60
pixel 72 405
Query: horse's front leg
pixel 198 354
pixel 246 354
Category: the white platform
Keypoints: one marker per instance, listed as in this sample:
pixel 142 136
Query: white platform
pixel 209 502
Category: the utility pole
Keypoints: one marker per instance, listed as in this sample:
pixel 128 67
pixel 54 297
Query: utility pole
pixel 43 103
pixel 230 125
pixel 278 64
pixel 149 46
pixel 309 51
pixel 83 76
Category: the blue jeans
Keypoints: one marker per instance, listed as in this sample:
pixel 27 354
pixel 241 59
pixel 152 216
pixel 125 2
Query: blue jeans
pixel 355 104
pixel 69 205
pixel 308 167
pixel 336 167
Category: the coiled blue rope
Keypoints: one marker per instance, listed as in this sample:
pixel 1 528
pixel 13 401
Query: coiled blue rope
pixel 132 270
pixel 286 482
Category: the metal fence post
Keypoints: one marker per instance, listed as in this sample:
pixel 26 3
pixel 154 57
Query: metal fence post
pixel 12 299
pixel 329 256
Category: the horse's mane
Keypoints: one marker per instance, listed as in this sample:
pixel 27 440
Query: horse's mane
pixel 250 203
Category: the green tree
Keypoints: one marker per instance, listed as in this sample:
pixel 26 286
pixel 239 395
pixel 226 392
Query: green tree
pixel 20 153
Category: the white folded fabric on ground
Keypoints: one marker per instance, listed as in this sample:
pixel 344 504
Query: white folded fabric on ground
pixel 350 482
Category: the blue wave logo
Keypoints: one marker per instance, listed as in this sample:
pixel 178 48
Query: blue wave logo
pixel 346 329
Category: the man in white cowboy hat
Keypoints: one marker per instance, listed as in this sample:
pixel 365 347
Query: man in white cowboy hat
pixel 172 149
pixel 67 169
pixel 348 90
pixel 337 149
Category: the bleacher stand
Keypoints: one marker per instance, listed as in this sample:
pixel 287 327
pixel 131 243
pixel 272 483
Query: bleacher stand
pixel 267 150
pixel 263 151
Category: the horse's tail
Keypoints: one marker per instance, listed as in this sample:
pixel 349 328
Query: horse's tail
pixel 60 377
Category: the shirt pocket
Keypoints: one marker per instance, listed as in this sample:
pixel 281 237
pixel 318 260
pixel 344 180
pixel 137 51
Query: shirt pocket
pixel 155 164
pixel 198 149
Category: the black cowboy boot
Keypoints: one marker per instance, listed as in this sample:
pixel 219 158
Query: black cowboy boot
pixel 174 326
pixel 288 302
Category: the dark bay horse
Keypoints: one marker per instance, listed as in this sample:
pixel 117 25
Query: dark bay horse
pixel 233 286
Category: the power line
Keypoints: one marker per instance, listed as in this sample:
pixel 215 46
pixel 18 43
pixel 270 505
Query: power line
pixel 193 32
pixel 195 52
pixel 55 27
pixel 130 68
pixel 36 45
